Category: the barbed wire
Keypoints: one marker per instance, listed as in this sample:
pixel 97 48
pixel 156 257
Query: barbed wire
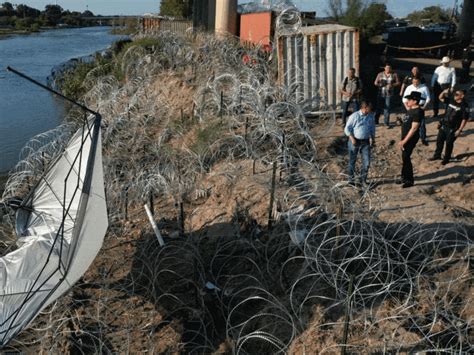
pixel 186 107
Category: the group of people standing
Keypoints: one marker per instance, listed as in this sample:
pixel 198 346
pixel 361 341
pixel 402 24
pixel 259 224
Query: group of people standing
pixel 416 96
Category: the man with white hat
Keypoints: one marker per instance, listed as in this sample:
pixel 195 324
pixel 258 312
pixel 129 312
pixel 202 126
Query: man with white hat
pixel 444 77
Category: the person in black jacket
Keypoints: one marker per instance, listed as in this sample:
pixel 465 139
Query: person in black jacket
pixel 410 136
pixel 452 124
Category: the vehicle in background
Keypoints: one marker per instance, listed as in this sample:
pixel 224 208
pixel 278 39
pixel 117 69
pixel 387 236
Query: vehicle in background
pixel 427 35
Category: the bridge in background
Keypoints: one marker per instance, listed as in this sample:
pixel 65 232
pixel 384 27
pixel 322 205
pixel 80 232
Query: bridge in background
pixel 118 20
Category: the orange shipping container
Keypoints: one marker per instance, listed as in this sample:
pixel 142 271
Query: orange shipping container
pixel 256 28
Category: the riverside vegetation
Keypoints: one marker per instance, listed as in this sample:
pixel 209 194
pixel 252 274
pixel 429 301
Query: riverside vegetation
pixel 23 18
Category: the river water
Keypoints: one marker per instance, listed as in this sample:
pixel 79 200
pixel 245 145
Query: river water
pixel 25 109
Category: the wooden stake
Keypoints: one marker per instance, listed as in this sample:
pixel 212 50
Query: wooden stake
pixel 347 316
pixel 246 128
pixel 272 197
pixel 339 213
pixel 43 162
pixel 152 205
pixel 221 113
pixel 181 219
pixel 283 158
pixel 240 102
pixel 203 103
pixel 126 205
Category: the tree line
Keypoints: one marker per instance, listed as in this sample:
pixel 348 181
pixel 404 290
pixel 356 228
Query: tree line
pixel 24 17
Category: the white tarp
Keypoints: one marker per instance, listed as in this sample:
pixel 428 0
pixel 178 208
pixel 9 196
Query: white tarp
pixel 53 255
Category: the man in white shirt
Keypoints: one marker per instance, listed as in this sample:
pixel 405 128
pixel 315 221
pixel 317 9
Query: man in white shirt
pixel 444 77
pixel 425 100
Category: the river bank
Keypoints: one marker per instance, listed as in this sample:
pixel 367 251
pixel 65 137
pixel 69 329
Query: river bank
pixel 4 32
pixel 3 180
pixel 27 110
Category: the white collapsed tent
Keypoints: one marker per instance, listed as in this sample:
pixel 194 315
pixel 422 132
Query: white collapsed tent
pixel 61 225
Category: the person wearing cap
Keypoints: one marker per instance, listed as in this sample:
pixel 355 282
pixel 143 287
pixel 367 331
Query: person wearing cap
pixel 360 129
pixel 386 82
pixel 410 136
pixel 452 124
pixel 444 77
pixel 425 100
pixel 408 80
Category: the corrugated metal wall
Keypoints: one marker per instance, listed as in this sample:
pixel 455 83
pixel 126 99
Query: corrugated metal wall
pixel 158 24
pixel 175 26
pixel 204 15
pixel 150 24
pixel 316 61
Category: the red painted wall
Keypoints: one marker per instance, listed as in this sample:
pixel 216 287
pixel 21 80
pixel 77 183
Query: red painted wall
pixel 256 28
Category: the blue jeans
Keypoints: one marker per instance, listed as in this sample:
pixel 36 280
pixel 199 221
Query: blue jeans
pixel 362 146
pixel 423 128
pixel 383 104
pixel 345 108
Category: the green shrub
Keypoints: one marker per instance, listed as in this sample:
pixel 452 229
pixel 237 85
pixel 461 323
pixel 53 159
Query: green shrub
pixel 71 84
pixel 207 135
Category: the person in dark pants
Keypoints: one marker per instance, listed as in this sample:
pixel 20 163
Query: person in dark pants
pixel 360 129
pixel 410 136
pixel 425 100
pixel 386 82
pixel 351 88
pixel 444 77
pixel 451 126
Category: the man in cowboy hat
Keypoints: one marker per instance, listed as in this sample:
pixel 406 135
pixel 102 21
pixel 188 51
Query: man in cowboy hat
pixel 410 136
pixel 444 77
pixel 425 93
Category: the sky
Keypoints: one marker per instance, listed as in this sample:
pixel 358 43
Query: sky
pixel 397 8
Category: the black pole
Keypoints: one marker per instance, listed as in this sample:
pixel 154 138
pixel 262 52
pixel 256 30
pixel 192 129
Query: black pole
pixel 51 90
pixel 246 128
pixel 126 204
pixel 181 219
pixel 222 104
pixel 152 205
pixel 272 197
pixel 346 316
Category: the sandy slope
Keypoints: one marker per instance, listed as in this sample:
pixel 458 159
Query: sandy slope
pixel 441 193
